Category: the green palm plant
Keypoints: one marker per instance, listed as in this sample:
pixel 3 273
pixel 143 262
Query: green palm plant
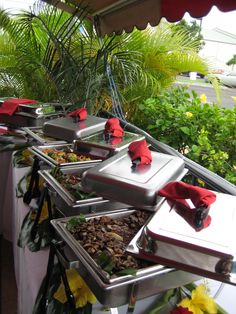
pixel 51 55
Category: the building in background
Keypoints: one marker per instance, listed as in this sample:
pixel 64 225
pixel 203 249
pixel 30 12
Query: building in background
pixel 220 46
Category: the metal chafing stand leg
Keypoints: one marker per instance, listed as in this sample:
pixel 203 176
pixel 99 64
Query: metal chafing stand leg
pixel 133 298
pixel 33 190
pixel 44 195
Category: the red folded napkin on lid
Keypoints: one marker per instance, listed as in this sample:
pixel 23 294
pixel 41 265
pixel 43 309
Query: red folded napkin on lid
pixel 80 113
pixel 113 128
pixel 200 197
pixel 10 106
pixel 140 152
pixel 3 131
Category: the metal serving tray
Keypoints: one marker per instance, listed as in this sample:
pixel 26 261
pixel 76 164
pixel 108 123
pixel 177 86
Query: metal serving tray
pixel 69 129
pixel 116 292
pixel 67 204
pixel 23 119
pixel 115 178
pixel 115 144
pixel 37 134
pixel 170 240
pixel 96 154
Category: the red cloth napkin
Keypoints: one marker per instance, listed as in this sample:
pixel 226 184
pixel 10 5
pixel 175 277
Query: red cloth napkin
pixel 80 113
pixel 189 214
pixel 200 197
pixel 3 131
pixel 113 128
pixel 139 150
pixel 180 190
pixel 10 106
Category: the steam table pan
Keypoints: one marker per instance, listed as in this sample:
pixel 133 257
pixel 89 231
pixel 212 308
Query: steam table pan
pixel 53 154
pixel 32 115
pixel 115 144
pixel 115 179
pixel 171 240
pixel 66 201
pixel 114 292
pixel 68 129
pixel 37 134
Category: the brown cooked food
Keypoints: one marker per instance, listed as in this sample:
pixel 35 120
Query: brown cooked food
pixel 106 239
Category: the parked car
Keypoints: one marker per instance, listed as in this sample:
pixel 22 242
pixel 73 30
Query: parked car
pixel 228 79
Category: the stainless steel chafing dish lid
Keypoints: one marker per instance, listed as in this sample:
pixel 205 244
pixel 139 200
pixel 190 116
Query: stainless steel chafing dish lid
pixel 68 129
pixel 115 179
pixel 115 144
pixel 170 240
pixel 37 134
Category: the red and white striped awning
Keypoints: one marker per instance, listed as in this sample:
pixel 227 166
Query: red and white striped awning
pixel 116 16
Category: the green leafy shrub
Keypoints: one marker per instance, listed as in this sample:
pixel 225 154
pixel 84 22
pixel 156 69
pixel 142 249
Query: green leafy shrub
pixel 203 132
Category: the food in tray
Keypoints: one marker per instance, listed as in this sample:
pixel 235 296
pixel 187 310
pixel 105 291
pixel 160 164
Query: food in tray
pixel 63 156
pixel 105 239
pixel 71 182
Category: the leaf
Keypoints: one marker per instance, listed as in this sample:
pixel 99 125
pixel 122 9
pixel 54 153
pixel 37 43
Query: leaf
pixel 194 148
pixel 127 271
pixel 163 301
pixel 185 130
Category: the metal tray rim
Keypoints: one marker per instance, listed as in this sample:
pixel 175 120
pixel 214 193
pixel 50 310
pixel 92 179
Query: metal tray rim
pixel 65 195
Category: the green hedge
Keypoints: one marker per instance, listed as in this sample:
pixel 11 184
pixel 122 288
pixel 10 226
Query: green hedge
pixel 205 133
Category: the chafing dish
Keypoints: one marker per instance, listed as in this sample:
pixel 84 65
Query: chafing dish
pixel 32 115
pixel 89 155
pixel 26 119
pixel 116 179
pixel 69 204
pixel 170 239
pixel 115 144
pixel 116 291
pixel 37 134
pixel 69 129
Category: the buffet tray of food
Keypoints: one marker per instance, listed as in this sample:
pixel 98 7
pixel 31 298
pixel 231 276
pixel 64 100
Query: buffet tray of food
pixel 98 242
pixel 115 144
pixel 63 155
pixel 37 134
pixel 116 178
pixel 28 115
pixel 69 129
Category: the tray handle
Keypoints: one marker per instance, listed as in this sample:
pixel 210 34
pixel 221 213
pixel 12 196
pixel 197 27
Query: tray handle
pixel 63 259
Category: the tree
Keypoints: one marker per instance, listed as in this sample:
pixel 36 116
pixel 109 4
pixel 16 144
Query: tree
pixel 232 61
pixel 193 30
pixel 52 55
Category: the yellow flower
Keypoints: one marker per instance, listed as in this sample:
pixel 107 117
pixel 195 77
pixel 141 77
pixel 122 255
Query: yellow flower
pixel 188 114
pixel 81 292
pixel 234 98
pixel 203 98
pixel 200 302
pixel 202 183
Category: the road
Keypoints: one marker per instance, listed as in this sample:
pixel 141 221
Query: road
pixel 226 93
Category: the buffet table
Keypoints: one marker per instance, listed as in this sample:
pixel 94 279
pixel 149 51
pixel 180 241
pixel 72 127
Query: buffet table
pixel 30 268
